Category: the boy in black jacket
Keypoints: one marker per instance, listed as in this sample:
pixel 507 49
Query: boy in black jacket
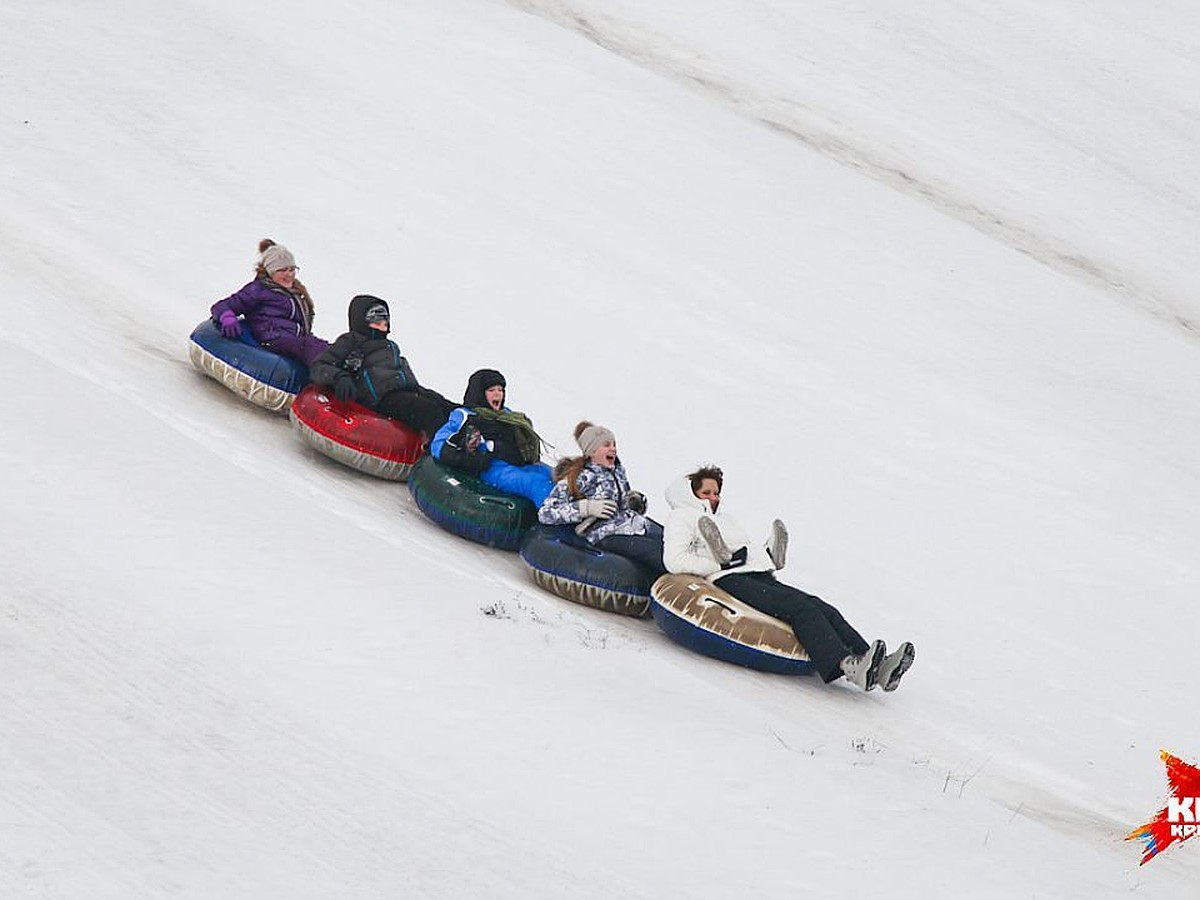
pixel 365 366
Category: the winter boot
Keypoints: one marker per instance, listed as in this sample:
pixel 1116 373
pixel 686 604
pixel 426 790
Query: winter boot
pixel 864 670
pixel 716 544
pixel 894 665
pixel 777 544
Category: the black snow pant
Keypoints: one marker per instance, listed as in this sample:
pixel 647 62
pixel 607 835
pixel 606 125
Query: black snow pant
pixel 423 409
pixel 646 550
pixel 825 635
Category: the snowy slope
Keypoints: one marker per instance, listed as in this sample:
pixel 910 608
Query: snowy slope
pixel 230 668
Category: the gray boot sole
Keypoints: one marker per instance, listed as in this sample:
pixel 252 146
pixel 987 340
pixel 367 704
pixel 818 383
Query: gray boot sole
pixel 716 544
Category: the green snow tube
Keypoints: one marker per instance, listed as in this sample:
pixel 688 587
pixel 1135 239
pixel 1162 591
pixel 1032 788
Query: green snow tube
pixel 466 506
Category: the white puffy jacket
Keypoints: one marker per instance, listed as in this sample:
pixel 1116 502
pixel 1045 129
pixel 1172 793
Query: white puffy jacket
pixel 684 549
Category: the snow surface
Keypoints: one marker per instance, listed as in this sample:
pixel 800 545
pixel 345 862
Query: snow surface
pixel 920 280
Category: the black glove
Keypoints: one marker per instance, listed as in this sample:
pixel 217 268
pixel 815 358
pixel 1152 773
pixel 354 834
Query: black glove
pixel 343 387
pixel 738 559
pixel 471 463
pixel 637 502
pixel 467 438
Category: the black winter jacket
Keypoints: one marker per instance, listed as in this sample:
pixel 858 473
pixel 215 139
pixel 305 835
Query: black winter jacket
pixel 375 364
pixel 367 355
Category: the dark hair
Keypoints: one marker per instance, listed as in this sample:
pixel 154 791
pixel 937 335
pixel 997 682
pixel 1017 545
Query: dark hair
pixel 709 471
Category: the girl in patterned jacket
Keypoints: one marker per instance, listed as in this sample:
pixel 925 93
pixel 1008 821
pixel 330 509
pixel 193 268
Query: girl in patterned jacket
pixel 592 493
pixel 276 307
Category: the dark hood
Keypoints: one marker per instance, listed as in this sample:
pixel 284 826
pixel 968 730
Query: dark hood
pixel 358 313
pixel 478 383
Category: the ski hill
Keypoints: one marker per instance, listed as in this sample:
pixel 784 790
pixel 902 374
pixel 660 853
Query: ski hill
pixel 921 281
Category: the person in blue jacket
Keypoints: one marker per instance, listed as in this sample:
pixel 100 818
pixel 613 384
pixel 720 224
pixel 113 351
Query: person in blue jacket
pixel 492 442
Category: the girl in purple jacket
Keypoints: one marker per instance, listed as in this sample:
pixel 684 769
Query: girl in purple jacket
pixel 275 305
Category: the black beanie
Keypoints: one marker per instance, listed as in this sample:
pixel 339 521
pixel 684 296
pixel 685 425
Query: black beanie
pixel 477 385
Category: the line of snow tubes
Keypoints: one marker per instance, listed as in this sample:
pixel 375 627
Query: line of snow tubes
pixel 465 506
pixel 690 610
pixel 567 565
pixel 264 378
pixel 696 613
pixel 356 436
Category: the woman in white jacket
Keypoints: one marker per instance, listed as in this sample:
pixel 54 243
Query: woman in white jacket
pixel 697 541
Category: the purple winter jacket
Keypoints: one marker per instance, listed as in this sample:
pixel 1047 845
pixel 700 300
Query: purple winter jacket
pixel 270 310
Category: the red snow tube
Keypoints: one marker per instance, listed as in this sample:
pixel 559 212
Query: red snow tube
pixel 356 436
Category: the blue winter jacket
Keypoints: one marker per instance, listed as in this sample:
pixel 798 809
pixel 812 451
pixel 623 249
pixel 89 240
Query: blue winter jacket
pixel 532 481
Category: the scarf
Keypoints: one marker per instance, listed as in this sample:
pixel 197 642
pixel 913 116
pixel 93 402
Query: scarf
pixel 529 444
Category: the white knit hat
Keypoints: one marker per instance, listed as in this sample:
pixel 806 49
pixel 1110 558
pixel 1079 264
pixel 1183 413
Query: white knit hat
pixel 592 437
pixel 276 257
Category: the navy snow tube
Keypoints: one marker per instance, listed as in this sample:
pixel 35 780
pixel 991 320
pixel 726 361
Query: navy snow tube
pixel 464 505
pixel 264 378
pixel 699 615
pixel 567 565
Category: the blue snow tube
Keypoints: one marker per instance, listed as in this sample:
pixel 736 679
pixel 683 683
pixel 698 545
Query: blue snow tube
pixel 699 615
pixel 567 565
pixel 264 378
pixel 464 505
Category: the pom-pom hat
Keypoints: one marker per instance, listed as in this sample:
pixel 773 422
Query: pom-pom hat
pixel 277 257
pixel 591 437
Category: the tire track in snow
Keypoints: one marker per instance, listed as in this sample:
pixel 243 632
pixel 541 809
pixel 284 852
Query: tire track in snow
pixel 664 56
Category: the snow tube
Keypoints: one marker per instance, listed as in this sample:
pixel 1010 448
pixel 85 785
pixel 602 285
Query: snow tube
pixel 354 435
pixel 264 378
pixel 575 570
pixel 466 506
pixel 698 614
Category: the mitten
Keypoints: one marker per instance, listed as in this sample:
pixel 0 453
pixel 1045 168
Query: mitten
pixel 231 328
pixel 637 502
pixel 343 388
pixel 737 559
pixel 597 509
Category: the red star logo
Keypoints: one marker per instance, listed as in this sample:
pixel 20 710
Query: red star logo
pixel 1180 818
